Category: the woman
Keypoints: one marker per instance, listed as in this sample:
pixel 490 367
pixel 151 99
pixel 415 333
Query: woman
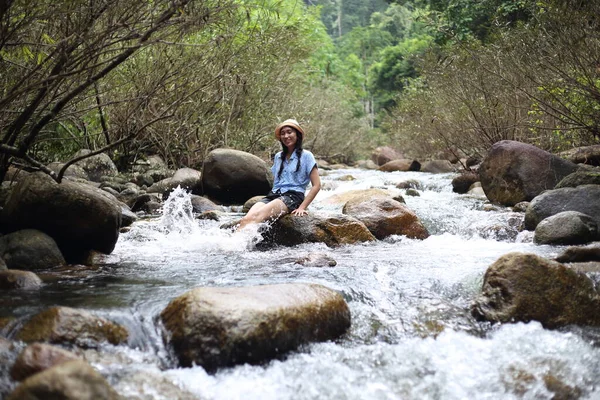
pixel 293 168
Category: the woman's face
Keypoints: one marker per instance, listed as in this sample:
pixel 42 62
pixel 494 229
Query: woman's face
pixel 288 137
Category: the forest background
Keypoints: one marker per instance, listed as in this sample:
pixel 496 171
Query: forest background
pixel 180 78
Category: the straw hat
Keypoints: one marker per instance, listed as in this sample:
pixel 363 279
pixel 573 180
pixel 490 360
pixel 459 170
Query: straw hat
pixel 288 122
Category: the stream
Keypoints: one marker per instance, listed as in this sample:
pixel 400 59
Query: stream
pixel 412 335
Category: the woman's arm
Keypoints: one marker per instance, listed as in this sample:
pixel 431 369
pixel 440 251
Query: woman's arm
pixel 315 181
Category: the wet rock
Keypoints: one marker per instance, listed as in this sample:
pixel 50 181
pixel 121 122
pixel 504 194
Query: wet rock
pixel 333 230
pixel 521 206
pixel 186 178
pixel 585 199
pixel 61 325
pixel 142 199
pixel 251 201
pixel 218 327
pixel 472 161
pixel 567 227
pixel 316 260
pixel 476 190
pixel 410 184
pixel 385 216
pixel 129 194
pixel 437 167
pixel 149 385
pixel 15 279
pixel 572 254
pixel 401 165
pixel 412 192
pixel 38 357
pixel 526 287
pixel 201 204
pixel 97 166
pixel 461 183
pixel 72 380
pixel 212 215
pixel 385 154
pixel 128 217
pixel 232 176
pixel 30 250
pixel 580 178
pixel 513 172
pixel 79 217
pixel 346 178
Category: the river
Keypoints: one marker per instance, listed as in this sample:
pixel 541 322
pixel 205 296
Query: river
pixel 412 336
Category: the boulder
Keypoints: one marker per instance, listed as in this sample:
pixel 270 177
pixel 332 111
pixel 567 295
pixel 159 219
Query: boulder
pixel 30 250
pixel 97 166
pixel 72 380
pixel 513 172
pixel 357 195
pixel 79 217
pixel 15 279
pixel 38 357
pixel 526 287
pixel 584 155
pixel 186 178
pixel 385 154
pixel 218 327
pixel 251 201
pixel 461 183
pixel 400 165
pixel 585 199
pixel 578 178
pixel 66 325
pixel 201 204
pixel 567 227
pixel 587 253
pixel 386 216
pixel 333 230
pixel 233 176
pixel 141 200
pixel 437 167
pixel 74 170
pixel 366 164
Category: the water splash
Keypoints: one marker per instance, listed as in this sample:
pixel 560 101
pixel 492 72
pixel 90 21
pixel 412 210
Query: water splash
pixel 177 212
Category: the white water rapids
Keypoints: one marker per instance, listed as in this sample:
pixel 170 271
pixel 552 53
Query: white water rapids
pixel 412 336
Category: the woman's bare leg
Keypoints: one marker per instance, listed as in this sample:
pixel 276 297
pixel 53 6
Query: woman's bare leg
pixel 261 212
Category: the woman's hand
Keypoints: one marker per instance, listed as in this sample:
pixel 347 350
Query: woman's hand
pixel 299 212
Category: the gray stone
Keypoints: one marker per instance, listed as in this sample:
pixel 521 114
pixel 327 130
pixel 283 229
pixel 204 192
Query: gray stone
pixel 567 227
pixel 30 250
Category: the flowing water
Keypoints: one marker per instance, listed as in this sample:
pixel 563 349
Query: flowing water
pixel 412 336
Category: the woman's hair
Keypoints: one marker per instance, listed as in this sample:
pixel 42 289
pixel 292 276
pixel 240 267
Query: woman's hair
pixel 297 149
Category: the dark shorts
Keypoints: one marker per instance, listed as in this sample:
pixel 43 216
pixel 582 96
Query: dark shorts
pixel 290 198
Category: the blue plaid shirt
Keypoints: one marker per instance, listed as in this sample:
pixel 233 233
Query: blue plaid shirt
pixel 290 179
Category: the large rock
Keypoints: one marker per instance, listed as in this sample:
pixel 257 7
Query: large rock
pixel 385 154
pixel 15 279
pixel 462 182
pixel 361 194
pixel 332 230
pixel 584 155
pixel 38 357
pixel 79 217
pixel 578 178
pixel 232 176
pixel 217 327
pixel 567 227
pixel 72 380
pixel 585 199
pixel 30 250
pixel 201 204
pixel 97 166
pixel 513 172
pixel 400 165
pixel 437 167
pixel 187 178
pixel 526 287
pixel 64 325
pixel 386 216
pixel 587 253
pixel 74 170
